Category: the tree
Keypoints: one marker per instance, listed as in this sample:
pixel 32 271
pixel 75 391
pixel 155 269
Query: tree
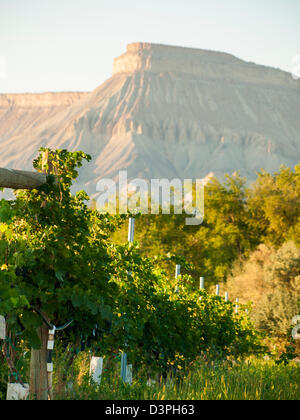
pixel 228 231
pixel 270 279
pixel 275 204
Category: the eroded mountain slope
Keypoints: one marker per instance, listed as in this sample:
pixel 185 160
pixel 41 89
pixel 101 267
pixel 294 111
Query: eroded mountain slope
pixel 165 112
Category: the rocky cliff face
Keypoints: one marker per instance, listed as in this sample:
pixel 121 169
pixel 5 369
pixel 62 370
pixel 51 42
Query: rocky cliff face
pixel 21 112
pixel 166 112
pixel 40 100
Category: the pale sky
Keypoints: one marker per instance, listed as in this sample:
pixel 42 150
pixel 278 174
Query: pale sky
pixel 69 45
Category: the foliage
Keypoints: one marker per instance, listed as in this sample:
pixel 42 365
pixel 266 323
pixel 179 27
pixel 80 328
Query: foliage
pixel 292 348
pixel 16 353
pixel 270 279
pixel 227 232
pixel 58 264
pixel 57 256
pixel 163 323
pixel 238 218
pixel 275 203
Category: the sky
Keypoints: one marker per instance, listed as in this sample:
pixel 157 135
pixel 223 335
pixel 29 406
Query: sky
pixel 69 45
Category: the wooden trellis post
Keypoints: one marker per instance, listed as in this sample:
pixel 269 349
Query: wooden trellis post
pixel 26 180
pixel 19 180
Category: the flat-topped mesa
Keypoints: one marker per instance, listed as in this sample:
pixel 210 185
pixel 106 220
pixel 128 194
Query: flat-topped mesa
pixel 204 64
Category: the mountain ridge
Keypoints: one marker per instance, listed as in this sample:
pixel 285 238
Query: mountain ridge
pixel 166 112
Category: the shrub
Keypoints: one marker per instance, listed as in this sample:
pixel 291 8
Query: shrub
pixel 270 279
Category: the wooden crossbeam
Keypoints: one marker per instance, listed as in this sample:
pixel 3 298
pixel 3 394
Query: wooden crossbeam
pixel 19 180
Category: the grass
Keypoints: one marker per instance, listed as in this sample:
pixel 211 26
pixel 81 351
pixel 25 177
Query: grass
pixel 253 379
